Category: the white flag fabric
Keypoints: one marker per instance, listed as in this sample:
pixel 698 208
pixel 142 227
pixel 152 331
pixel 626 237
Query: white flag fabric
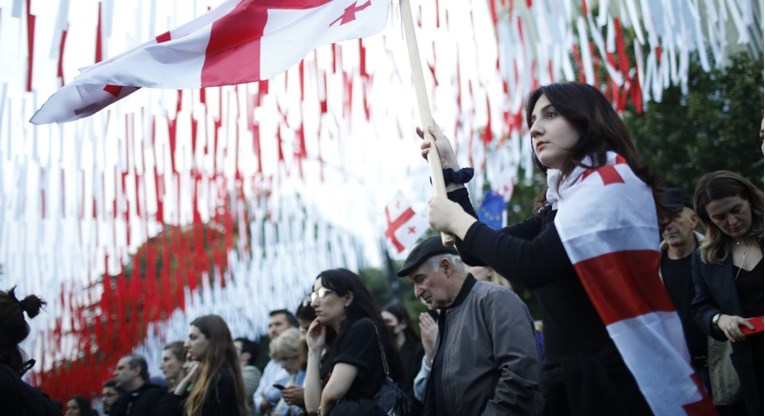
pixel 614 250
pixel 239 41
pixel 403 226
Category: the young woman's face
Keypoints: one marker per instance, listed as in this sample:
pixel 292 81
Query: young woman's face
pixel 732 215
pixel 552 136
pixel 72 408
pixel 392 322
pixel 197 343
pixel 170 366
pixel 329 307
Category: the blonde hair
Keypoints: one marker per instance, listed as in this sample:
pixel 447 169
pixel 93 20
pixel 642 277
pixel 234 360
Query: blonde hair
pixel 286 345
pixel 718 185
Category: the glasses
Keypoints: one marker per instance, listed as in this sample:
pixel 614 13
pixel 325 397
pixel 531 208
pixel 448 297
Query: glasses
pixel 320 294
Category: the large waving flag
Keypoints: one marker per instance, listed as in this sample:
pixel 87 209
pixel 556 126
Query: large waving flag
pixel 615 253
pixel 239 41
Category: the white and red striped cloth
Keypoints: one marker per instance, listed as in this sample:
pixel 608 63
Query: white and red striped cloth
pixel 239 41
pixel 607 222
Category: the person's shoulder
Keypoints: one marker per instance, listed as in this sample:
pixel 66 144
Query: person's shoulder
pixel 362 326
pixel 495 294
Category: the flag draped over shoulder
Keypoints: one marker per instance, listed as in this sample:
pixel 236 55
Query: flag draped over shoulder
pixel 614 249
pixel 239 41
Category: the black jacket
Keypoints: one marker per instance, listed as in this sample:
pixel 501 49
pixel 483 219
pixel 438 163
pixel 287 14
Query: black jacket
pixel 20 399
pixel 141 402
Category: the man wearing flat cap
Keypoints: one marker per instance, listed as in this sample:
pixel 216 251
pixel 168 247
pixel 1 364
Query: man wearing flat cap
pixel 486 360
pixel 679 241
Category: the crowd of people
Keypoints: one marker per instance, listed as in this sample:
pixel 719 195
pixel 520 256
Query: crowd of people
pixel 621 268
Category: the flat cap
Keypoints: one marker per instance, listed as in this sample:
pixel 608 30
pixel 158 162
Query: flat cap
pixel 423 251
pixel 678 197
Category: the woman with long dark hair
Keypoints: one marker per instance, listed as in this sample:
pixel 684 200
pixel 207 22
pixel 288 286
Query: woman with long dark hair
pixel 349 324
pixel 79 406
pixel 727 274
pixel 213 383
pixel 407 341
pixel 16 396
pixel 590 254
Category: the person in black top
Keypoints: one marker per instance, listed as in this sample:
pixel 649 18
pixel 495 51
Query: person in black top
pixel 408 342
pixel 347 323
pixel 727 274
pixel 213 383
pixel 16 396
pixel 140 396
pixel 574 131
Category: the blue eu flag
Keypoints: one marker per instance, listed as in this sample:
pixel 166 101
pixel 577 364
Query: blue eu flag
pixel 492 209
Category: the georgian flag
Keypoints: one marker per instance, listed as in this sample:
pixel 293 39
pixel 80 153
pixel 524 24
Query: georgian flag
pixel 240 41
pixel 403 226
pixel 615 253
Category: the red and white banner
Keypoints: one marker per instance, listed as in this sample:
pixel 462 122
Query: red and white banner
pixel 403 226
pixel 240 41
pixel 614 250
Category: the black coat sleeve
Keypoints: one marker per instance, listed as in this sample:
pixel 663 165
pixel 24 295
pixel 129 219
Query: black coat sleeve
pixel 526 252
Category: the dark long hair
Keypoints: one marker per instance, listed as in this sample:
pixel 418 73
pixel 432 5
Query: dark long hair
pixel 14 327
pixel 600 130
pixel 220 354
pixel 342 282
pixel 84 404
pixel 718 185
pixel 402 315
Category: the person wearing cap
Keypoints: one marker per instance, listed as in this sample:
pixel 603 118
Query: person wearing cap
pixel 486 360
pixel 679 242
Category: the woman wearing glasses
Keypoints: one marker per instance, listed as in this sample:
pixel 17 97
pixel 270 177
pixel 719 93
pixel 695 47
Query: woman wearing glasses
pixel 352 368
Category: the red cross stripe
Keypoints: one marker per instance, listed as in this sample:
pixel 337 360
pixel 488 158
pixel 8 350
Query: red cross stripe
pixel 394 225
pixel 608 173
pixel 350 13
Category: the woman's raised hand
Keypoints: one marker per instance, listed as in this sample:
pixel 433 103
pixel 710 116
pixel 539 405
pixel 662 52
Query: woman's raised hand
pixel 444 147
pixel 315 337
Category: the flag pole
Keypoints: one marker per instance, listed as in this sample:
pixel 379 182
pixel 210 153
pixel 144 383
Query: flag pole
pixel 426 119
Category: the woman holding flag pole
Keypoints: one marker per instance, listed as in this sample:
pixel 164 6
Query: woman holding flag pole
pixel 613 342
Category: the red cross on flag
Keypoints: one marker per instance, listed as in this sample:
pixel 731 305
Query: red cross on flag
pixel 240 41
pixel 614 249
pixel 403 226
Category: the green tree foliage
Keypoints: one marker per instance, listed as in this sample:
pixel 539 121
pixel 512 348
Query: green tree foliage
pixel 714 126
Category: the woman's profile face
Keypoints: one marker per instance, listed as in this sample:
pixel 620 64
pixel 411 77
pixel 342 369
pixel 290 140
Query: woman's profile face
pixel 197 343
pixel 171 367
pixel 732 215
pixel 328 305
pixel 392 322
pixel 72 408
pixel 552 135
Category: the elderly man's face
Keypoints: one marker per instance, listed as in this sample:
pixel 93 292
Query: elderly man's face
pixel 431 285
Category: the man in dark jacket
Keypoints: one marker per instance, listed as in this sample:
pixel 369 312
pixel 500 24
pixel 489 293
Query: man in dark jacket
pixel 486 360
pixel 140 397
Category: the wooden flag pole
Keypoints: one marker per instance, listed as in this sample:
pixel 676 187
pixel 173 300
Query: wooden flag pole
pixel 434 160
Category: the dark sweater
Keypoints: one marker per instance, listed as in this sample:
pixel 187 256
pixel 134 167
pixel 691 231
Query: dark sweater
pixel 20 399
pixel 531 253
pixel 221 399
pixel 583 373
